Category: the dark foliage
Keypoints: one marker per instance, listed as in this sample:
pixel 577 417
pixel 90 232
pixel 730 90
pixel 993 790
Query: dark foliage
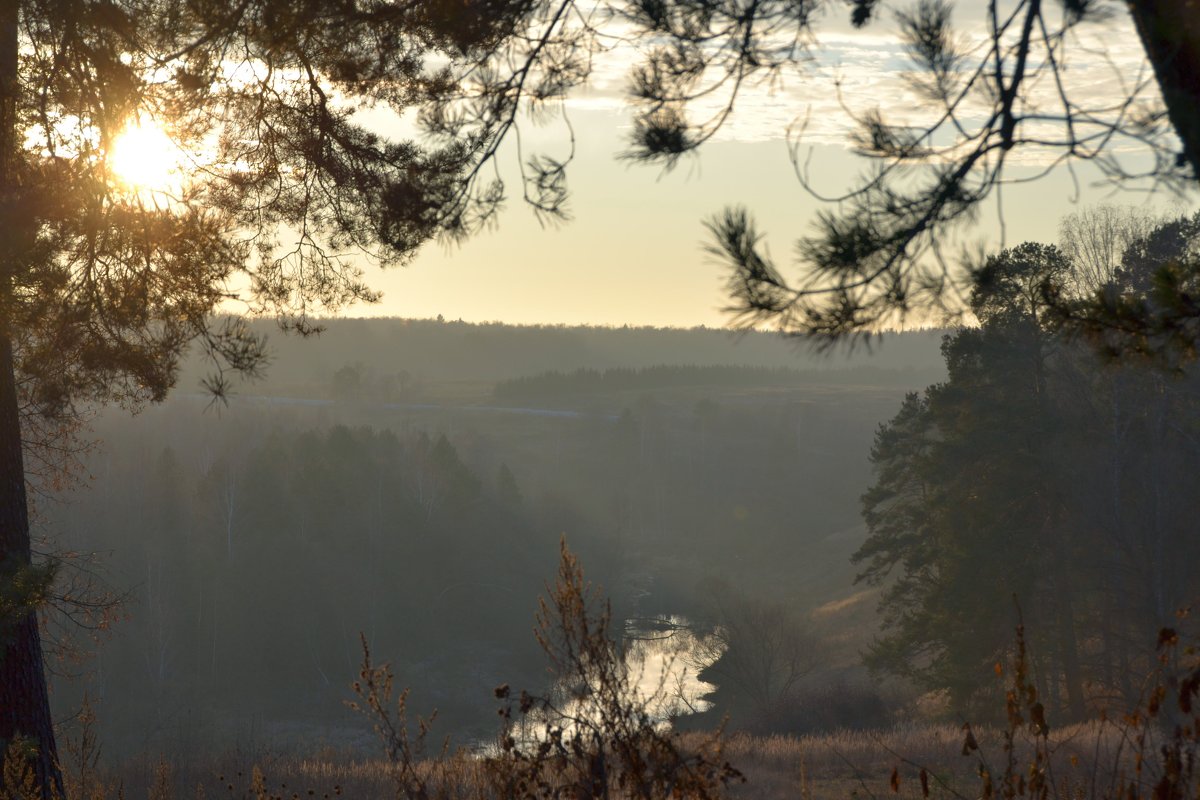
pixel 883 252
pixel 593 737
pixel 1038 471
pixel 582 382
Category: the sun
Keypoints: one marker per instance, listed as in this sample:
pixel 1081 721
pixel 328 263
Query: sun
pixel 145 159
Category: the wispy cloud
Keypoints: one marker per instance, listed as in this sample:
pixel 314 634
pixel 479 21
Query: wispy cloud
pixel 852 72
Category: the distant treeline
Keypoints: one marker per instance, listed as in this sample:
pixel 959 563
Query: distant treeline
pixel 255 545
pixel 584 381
pixel 430 351
pixel 256 559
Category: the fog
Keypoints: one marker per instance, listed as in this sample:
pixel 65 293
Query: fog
pixel 410 481
pixel 779 548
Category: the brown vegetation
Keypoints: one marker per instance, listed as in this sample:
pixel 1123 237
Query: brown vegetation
pixel 592 736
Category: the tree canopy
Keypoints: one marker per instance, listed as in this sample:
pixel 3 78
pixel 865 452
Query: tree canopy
pixel 993 89
pixel 1037 472
pixel 276 109
pixel 273 108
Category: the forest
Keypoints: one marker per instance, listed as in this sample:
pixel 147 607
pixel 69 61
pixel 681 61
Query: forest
pixel 793 548
pixel 429 507
pixel 915 519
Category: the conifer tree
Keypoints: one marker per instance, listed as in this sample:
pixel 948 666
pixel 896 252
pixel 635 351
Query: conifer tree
pixel 286 119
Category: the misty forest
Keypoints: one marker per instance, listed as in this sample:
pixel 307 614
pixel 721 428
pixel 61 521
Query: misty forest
pixel 919 518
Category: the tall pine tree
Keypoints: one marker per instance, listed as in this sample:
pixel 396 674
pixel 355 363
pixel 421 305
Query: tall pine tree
pixel 284 186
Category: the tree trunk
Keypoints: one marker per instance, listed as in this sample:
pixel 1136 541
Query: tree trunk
pixel 1069 645
pixel 24 700
pixel 1170 34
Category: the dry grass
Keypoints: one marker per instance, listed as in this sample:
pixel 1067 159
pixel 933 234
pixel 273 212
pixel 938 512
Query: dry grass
pixel 860 763
pixel 840 765
pixel 599 741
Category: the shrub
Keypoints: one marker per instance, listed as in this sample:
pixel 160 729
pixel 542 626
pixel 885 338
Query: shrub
pixel 1150 753
pixel 591 736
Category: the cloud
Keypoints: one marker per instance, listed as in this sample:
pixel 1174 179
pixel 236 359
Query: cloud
pixel 849 73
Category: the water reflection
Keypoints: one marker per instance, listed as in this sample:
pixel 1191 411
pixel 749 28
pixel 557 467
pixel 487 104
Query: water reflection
pixel 665 657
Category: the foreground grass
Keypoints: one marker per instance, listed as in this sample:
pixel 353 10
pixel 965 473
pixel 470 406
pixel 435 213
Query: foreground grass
pixel 860 764
pixel 847 764
pixel 600 741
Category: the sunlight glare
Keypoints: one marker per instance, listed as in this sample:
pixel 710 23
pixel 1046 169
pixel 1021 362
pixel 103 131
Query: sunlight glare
pixel 145 159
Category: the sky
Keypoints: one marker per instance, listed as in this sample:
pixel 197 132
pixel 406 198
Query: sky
pixel 632 252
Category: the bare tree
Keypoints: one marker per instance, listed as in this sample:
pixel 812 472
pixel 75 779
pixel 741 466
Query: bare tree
pixel 759 651
pixel 1095 240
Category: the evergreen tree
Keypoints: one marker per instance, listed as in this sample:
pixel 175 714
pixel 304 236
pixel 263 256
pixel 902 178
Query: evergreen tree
pixel 104 283
pixel 880 253
pixel 965 509
pixel 1038 471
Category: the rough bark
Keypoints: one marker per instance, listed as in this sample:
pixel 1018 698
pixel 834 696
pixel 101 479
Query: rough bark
pixel 24 700
pixel 1170 34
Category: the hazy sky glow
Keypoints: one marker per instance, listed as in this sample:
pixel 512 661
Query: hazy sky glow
pixel 632 253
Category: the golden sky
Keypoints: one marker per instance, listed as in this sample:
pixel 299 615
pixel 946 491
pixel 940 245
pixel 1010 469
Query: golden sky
pixel 632 253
